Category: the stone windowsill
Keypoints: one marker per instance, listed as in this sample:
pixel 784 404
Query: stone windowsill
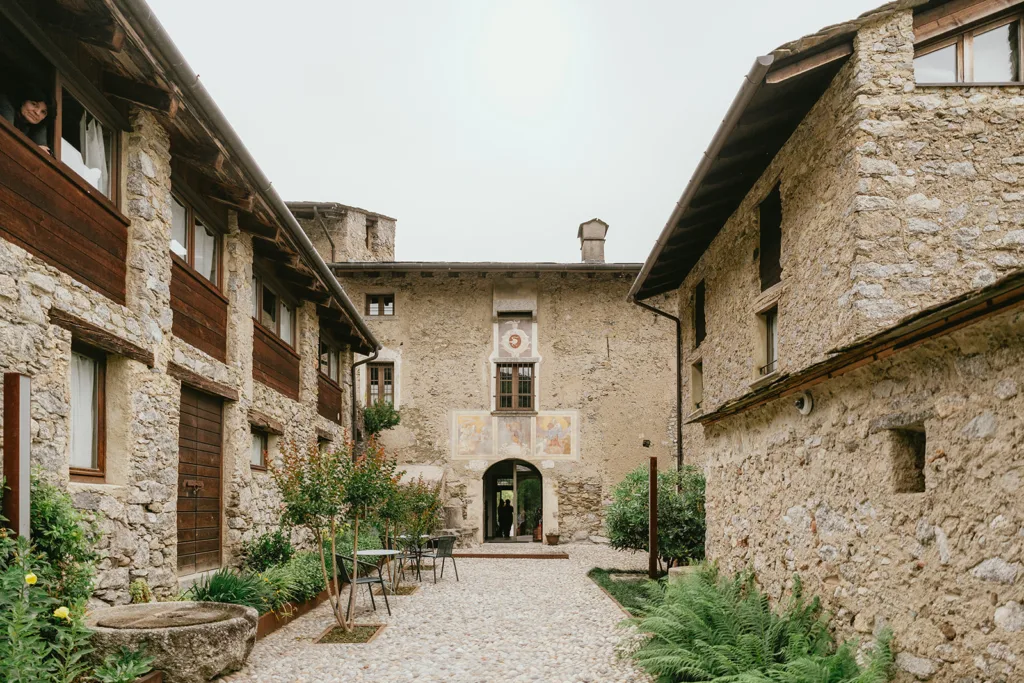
pixel 986 84
pixel 514 413
pixel 766 380
pixel 769 297
pixel 694 414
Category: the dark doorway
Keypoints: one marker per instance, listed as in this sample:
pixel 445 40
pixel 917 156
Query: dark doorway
pixel 520 484
pixel 199 477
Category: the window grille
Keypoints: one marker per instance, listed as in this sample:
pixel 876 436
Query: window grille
pixel 514 384
pixel 380 304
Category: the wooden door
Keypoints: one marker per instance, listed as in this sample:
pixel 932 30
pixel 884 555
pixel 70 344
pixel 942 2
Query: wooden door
pixel 199 482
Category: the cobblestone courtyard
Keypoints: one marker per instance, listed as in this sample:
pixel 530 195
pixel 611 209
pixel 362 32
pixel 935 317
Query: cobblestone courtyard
pixel 505 620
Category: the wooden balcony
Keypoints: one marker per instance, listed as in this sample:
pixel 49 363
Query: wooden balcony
pixel 200 310
pixel 49 211
pixel 274 363
pixel 328 398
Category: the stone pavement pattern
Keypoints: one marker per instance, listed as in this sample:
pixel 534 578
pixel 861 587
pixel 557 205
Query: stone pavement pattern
pixel 505 620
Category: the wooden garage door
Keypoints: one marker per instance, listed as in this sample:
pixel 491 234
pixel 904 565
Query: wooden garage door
pixel 199 472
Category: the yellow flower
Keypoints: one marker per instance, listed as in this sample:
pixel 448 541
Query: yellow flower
pixel 31 579
pixel 62 613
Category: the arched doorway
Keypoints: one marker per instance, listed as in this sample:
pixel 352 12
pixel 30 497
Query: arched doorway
pixel 519 483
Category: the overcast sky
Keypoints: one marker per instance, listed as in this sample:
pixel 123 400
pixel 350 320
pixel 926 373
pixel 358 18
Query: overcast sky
pixel 489 129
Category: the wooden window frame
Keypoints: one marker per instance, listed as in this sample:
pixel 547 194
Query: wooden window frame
pixel 380 382
pixel 700 317
pixel 770 341
pixel 85 474
pixel 963 39
pixel 332 348
pixel 696 385
pixel 191 214
pixel 265 280
pixel 61 83
pixel 516 393
pixel 380 305
pixel 265 442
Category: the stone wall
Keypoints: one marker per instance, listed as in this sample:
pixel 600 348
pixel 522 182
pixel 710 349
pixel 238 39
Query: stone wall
pixel 601 356
pixel 356 235
pixel 815 495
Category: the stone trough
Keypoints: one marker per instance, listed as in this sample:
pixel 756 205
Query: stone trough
pixel 191 642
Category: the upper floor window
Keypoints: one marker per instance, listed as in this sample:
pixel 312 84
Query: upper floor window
pixel 192 240
pixel 696 385
pixel 770 247
pixel 770 341
pixel 330 358
pixel 514 386
pixel 85 144
pixel 989 53
pixel 380 304
pixel 381 383
pixel 88 412
pixel 271 310
pixel 699 323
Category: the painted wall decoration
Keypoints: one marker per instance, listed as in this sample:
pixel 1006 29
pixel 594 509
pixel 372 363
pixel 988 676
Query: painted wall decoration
pixel 514 339
pixel 515 438
pixel 474 435
pixel 555 435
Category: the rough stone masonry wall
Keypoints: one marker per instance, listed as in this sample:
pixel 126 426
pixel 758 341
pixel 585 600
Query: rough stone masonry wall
pixel 814 495
pixel 610 360
pixel 940 200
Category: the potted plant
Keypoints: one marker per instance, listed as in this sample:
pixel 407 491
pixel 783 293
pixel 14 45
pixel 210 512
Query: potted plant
pixel 552 536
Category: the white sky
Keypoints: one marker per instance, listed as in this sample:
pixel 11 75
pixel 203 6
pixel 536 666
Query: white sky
pixel 489 129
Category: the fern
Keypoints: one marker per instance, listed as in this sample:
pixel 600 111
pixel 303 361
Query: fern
pixel 722 629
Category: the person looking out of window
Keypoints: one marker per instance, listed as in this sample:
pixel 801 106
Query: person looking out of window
pixel 28 112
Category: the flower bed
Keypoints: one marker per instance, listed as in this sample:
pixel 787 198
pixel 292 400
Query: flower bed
pixel 271 621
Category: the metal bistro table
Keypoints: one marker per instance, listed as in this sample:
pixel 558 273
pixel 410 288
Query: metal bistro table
pixel 387 555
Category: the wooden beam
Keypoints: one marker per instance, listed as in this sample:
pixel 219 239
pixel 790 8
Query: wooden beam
pixel 96 30
pixel 249 223
pixel 196 381
pixel 144 95
pixel 204 158
pixel 265 422
pixel 952 15
pixel 811 63
pixel 229 195
pixel 93 335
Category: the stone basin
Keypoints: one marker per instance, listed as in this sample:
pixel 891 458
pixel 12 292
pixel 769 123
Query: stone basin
pixel 191 642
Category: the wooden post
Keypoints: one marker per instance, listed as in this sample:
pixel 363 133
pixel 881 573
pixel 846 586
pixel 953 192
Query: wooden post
pixel 17 437
pixel 652 561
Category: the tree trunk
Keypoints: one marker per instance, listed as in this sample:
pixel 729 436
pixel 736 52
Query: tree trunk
pixel 334 566
pixel 334 599
pixel 355 573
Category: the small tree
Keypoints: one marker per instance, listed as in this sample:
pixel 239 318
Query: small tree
pixel 393 512
pixel 681 523
pixel 380 416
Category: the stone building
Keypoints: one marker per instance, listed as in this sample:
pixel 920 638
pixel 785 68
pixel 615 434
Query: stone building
pixel 507 373
pixel 848 265
pixel 178 327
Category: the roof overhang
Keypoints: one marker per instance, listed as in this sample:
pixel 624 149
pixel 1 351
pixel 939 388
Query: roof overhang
pixel 353 267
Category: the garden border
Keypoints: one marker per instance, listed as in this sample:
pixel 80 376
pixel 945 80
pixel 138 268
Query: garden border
pixel 380 629
pixel 271 621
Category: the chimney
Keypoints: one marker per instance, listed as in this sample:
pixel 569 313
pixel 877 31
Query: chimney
pixel 591 236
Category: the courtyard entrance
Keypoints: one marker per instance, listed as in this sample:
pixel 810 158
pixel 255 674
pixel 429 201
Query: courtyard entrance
pixel 513 502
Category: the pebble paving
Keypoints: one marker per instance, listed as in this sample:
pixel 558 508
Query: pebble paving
pixel 505 620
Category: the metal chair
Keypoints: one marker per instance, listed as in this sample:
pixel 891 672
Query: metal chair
pixel 367 581
pixel 443 552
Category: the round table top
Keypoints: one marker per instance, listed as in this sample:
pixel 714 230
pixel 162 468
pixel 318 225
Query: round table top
pixel 378 552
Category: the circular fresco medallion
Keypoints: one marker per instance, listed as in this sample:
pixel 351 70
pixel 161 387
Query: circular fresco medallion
pixel 515 342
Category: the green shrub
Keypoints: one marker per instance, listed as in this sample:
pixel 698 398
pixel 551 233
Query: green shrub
pixel 280 587
pixel 124 666
pixel 230 585
pixel 379 417
pixel 139 592
pixel 708 627
pixel 67 540
pixel 681 523
pixel 307 574
pixel 266 551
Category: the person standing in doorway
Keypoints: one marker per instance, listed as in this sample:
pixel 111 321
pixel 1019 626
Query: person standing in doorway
pixel 505 517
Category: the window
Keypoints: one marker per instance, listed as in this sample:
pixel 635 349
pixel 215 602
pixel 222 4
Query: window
pixel 88 413
pixel 85 144
pixel 515 386
pixel 259 451
pixel 380 304
pixel 196 244
pixel 323 444
pixel 699 325
pixel 271 311
pixel 381 383
pixel 770 340
pixel 696 385
pixel 330 357
pixel 987 54
pixel 907 448
pixel 770 248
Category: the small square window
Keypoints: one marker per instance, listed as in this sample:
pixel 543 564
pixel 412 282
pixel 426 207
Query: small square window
pixel 696 385
pixel 259 450
pixel 88 413
pixel 380 304
pixel 514 384
pixel 769 325
pixel 907 450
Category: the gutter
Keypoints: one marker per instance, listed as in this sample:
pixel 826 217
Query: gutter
pixel 482 266
pixel 751 82
pixel 188 81
pixel 679 377
pixel 355 403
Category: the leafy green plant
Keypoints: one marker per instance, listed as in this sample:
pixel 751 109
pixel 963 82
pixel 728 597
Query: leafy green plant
pixel 681 524
pixel 380 416
pixel 67 539
pixel 266 551
pixel 633 594
pixel 710 627
pixel 308 579
pixel 139 592
pixel 124 666
pixel 279 587
pixel 230 585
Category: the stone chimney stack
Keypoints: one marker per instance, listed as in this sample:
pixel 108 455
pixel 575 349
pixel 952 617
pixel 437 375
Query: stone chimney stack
pixel 591 236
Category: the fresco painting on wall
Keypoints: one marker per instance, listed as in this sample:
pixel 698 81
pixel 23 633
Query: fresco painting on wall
pixel 475 435
pixel 554 435
pixel 514 437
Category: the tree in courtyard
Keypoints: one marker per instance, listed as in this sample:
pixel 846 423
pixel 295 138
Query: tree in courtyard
pixel 380 416
pixel 681 523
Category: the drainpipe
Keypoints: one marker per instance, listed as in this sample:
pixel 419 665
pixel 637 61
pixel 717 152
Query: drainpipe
pixel 327 233
pixel 355 365
pixel 679 377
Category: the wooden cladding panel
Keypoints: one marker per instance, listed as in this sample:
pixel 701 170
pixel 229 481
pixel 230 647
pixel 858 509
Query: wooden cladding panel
pixel 274 363
pixel 328 398
pixel 200 311
pixel 48 214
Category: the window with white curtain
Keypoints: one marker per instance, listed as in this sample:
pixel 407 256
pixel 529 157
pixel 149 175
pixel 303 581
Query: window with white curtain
pixel 258 453
pixel 271 310
pixel 87 418
pixel 193 241
pixel 87 145
pixel 287 324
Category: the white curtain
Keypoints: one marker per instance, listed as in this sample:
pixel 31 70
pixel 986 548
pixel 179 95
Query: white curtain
pixel 256 454
pixel 286 324
pixel 206 252
pixel 83 411
pixel 94 151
